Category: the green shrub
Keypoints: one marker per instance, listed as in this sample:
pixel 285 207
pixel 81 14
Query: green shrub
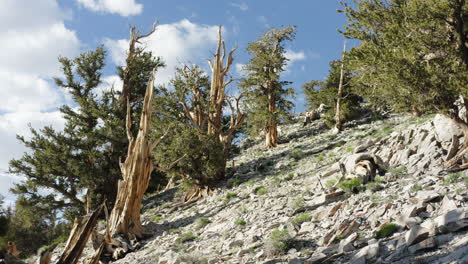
pixel 289 177
pixel 351 185
pixel 260 190
pixel 186 237
pixel 296 154
pixel 202 222
pixel 386 230
pixel 321 158
pixel 301 218
pixel 278 243
pixel 156 218
pixel 330 183
pixel 416 188
pixel 298 203
pixel 230 195
pixel 455 177
pixel 236 182
pixel 292 163
pixel 240 222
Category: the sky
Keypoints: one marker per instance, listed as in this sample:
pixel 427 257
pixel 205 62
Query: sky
pixel 34 33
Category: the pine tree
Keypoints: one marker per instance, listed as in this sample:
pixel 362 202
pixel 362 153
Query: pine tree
pixel 84 157
pixel 202 133
pixel 325 92
pixel 413 55
pixel 266 98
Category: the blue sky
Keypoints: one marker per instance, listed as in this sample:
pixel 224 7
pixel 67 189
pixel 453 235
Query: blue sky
pixel 33 33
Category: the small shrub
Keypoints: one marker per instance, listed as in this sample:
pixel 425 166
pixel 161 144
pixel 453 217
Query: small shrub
pixel 202 222
pixel 416 188
pixel 373 186
pixel 240 222
pixel 278 243
pixel 378 179
pixel 289 177
pixel 156 218
pixel 350 149
pixel 230 195
pixel 296 154
pixel 236 182
pixel 330 183
pixel 298 203
pixel 321 158
pixel 454 178
pixel 351 185
pixel 399 172
pixel 250 182
pixel 292 163
pixel 386 230
pixel 260 190
pixel 186 237
pixel 301 218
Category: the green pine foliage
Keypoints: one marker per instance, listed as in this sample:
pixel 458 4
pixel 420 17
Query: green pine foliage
pixel 325 92
pixel 413 55
pixel 84 157
pixel 263 81
pixel 202 155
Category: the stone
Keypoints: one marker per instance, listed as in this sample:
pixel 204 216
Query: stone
pixel 425 244
pixel 445 128
pixel 346 245
pixel 444 238
pixel 306 227
pixel 236 243
pixel 447 205
pixel 316 258
pixel 427 196
pixel 416 234
pixel 451 221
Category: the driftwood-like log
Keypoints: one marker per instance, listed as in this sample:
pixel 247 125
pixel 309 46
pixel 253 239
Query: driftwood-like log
pixel 78 238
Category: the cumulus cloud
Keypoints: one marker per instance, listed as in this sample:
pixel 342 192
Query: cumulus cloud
pixel 32 36
pixel 239 68
pixel 179 43
pixel 293 57
pixel 121 7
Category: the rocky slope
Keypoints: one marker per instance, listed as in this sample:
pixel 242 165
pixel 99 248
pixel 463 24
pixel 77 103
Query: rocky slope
pixel 285 205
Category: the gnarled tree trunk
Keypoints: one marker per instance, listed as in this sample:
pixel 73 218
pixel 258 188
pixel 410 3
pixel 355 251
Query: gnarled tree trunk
pixel 136 171
pixel 271 128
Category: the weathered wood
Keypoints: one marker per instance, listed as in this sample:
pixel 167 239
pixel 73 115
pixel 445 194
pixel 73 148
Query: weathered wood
pixel 338 121
pixel 78 238
pixel 136 171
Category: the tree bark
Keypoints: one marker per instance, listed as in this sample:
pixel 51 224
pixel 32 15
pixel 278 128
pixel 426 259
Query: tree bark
pixel 338 121
pixel 136 171
pixel 78 238
pixel 271 129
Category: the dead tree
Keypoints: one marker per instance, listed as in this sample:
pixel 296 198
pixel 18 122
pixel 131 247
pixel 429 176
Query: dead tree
pixel 136 171
pixel 339 97
pixel 219 69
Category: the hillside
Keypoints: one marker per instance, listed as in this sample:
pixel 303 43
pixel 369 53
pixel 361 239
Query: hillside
pixel 284 205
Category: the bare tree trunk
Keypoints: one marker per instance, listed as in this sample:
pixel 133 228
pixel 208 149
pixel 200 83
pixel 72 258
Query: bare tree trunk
pixel 338 121
pixel 136 171
pixel 219 71
pixel 271 129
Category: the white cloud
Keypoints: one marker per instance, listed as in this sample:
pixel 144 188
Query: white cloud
pixel 108 82
pixel 177 43
pixel 242 6
pixel 293 57
pixel 121 7
pixel 32 36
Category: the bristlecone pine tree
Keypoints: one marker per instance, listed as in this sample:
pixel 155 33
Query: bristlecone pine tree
pixel 201 132
pixel 266 98
pixel 413 56
pixel 325 92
